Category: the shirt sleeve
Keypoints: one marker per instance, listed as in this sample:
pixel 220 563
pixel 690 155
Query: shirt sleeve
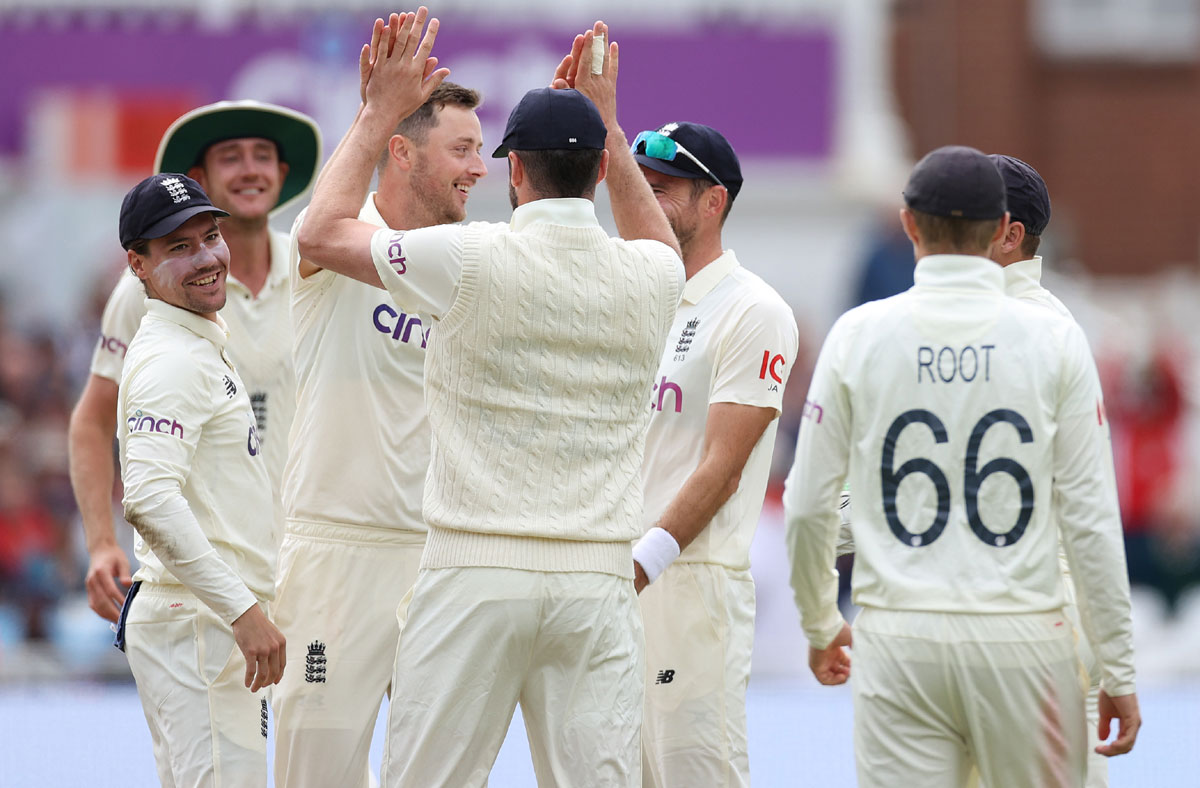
pixel 420 268
pixel 122 315
pixel 810 497
pixel 165 409
pixel 1085 502
pixel 756 357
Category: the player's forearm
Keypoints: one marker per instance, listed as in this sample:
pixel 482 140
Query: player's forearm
pixel 162 518
pixel 635 210
pixel 1090 526
pixel 811 537
pixel 328 230
pixel 89 440
pixel 698 501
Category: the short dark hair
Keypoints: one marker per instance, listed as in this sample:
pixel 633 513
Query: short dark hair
pixel 562 173
pixel 952 235
pixel 140 247
pixel 1030 244
pixel 416 126
pixel 701 185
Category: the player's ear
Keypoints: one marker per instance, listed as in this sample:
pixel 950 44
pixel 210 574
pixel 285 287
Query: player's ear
pixel 516 170
pixel 199 175
pixel 909 223
pixel 136 263
pixel 715 200
pixel 603 166
pixel 1014 237
pixel 400 150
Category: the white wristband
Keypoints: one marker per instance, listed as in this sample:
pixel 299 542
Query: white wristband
pixel 655 551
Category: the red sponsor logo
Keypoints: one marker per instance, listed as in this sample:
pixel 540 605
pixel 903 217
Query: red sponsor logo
pixel 774 364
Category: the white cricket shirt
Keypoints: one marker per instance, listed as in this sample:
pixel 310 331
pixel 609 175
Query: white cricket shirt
pixel 734 339
pixel 260 344
pixel 959 415
pixel 196 484
pixel 360 440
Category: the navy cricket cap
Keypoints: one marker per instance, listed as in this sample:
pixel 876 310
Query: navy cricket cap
pixel 957 182
pixel 1028 198
pixel 548 119
pixel 706 144
pixel 159 204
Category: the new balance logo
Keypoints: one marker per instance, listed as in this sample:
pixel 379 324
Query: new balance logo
pixel 665 677
pixel 314 663
pixel 264 718
pixel 230 387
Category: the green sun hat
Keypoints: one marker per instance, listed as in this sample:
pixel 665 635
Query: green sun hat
pixel 296 134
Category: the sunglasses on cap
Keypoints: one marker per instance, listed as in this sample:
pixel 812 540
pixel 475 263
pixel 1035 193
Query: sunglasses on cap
pixel 659 146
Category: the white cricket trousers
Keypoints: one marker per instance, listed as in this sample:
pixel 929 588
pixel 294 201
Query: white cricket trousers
pixel 206 727
pixel 938 693
pixel 699 621
pixel 475 641
pixel 337 591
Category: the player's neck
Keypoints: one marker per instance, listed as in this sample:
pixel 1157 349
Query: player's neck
pixel 249 251
pixel 699 253
pixel 401 210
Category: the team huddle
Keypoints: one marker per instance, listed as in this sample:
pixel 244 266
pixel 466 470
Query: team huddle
pixel 471 465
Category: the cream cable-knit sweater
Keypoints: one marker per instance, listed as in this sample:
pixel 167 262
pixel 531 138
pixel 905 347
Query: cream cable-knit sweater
pixel 538 384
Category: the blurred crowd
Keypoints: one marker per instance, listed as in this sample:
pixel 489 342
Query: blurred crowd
pixel 43 560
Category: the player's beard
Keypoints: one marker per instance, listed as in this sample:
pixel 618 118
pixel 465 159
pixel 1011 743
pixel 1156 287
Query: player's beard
pixel 685 228
pixel 512 195
pixel 439 199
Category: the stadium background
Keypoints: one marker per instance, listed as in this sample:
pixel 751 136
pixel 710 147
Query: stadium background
pixel 828 103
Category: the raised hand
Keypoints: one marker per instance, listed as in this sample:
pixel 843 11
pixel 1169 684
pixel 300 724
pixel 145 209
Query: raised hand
pixel 600 88
pixel 402 74
pixel 564 75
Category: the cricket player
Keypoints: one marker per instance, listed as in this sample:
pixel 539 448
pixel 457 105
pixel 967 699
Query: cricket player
pixel 713 415
pixel 546 337
pixel 198 493
pixel 963 657
pixel 1029 209
pixel 359 455
pixel 252 159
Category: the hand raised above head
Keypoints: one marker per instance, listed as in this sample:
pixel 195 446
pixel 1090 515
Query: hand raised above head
pixel 599 86
pixel 402 74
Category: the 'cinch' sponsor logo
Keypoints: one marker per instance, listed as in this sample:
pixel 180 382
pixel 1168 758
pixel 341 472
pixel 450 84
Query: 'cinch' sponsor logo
pixel 399 325
pixel 145 422
pixel 659 394
pixel 395 253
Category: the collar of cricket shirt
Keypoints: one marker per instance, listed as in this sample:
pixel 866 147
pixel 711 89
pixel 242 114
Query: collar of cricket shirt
pixel 215 332
pixel 958 272
pixel 1023 277
pixel 563 211
pixel 709 276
